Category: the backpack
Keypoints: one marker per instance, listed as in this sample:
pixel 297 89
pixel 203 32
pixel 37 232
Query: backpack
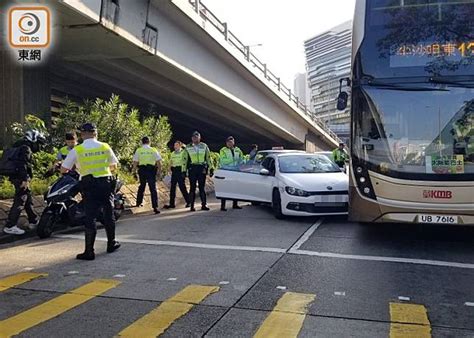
pixel 10 164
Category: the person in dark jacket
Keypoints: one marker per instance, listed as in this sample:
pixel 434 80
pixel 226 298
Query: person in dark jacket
pixel 31 143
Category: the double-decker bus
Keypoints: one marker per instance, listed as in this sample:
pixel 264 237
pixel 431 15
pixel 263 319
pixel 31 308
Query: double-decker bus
pixel 412 123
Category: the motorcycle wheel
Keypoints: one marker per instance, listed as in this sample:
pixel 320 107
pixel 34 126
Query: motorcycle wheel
pixel 46 225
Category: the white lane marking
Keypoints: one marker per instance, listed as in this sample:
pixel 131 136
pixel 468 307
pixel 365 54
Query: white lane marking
pixel 340 293
pixel 73 272
pixel 469 303
pixel 383 259
pixel 307 234
pixel 184 244
pixel 172 279
pixel 281 287
pixel 119 276
pixel 28 269
pixel 224 282
pixel 282 251
pixel 406 299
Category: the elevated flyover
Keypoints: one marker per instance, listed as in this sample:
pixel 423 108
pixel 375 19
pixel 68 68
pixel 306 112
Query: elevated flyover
pixel 174 56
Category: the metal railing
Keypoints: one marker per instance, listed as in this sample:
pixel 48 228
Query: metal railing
pixel 272 79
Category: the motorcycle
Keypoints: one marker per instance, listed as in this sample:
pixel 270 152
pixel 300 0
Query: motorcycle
pixel 62 206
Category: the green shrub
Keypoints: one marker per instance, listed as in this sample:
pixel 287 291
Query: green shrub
pixel 119 125
pixel 31 122
pixel 215 159
pixel 42 162
pixel 6 189
pixel 38 186
pixel 126 176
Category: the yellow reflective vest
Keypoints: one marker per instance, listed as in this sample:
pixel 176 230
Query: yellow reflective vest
pixel 339 155
pixel 64 151
pixel 227 159
pixel 146 156
pixel 94 161
pixel 199 154
pixel 178 159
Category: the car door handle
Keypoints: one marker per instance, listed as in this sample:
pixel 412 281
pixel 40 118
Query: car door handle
pixel 219 177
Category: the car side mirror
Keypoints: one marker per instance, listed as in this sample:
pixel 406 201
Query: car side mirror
pixel 264 172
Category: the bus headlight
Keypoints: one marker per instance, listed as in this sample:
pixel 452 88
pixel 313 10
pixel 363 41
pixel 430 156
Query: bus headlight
pixel 362 179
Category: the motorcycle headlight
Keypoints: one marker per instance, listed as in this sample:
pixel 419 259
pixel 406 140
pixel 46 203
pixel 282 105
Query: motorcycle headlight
pixel 297 192
pixel 64 190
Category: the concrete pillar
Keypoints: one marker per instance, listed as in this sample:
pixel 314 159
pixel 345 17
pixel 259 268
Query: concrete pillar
pixel 314 143
pixel 23 90
pixel 11 107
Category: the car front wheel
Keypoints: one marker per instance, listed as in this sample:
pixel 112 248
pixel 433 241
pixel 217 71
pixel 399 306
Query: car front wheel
pixel 276 205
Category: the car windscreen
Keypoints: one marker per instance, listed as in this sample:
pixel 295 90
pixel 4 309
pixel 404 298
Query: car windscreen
pixel 310 164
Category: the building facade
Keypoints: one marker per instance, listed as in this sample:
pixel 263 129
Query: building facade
pixel 301 89
pixel 328 59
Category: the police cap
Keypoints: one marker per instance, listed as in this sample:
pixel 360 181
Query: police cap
pixel 88 127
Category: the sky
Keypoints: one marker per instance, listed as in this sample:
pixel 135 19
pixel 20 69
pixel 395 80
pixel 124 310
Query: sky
pixel 281 26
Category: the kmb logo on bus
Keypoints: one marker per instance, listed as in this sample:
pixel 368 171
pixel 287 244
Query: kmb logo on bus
pixel 438 194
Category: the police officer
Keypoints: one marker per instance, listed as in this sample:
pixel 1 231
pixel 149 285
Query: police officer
pixel 198 158
pixel 148 161
pixel 230 156
pixel 71 142
pixel 95 161
pixel 339 155
pixel 253 152
pixel 178 172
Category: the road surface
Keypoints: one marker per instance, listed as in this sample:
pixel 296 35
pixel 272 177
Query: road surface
pixel 242 273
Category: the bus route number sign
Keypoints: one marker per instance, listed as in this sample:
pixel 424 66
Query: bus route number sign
pixel 445 164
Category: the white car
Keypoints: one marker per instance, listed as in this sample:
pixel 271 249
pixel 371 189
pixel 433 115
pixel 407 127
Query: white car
pixel 293 183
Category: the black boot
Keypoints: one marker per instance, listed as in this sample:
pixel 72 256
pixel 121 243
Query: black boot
pixel 88 254
pixel 112 244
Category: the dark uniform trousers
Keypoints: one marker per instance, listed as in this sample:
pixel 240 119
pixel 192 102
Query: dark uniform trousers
pixel 147 174
pixel 197 176
pixel 177 178
pixel 98 196
pixel 21 200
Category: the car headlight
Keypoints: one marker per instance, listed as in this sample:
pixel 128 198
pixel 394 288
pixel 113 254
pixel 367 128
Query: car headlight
pixel 296 192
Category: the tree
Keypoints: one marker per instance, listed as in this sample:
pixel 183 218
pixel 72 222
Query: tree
pixel 118 124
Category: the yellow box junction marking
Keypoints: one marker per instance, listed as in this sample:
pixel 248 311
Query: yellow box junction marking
pixel 53 308
pixel 158 320
pixel 286 319
pixel 409 320
pixel 20 278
